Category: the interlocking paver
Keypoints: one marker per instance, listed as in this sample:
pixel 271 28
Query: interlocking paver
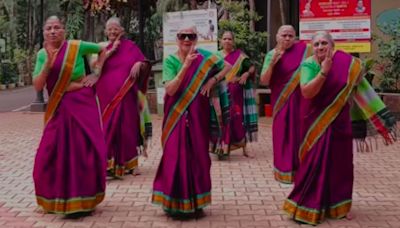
pixel 245 193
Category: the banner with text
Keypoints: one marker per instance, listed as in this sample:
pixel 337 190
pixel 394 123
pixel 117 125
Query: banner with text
pixel 348 21
pixel 205 22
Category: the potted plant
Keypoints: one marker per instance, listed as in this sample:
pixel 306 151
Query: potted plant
pixel 9 74
pixel 20 59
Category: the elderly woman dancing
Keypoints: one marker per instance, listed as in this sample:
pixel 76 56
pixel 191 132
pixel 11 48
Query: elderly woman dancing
pixel 183 183
pixel 70 165
pixel 121 90
pixel 330 82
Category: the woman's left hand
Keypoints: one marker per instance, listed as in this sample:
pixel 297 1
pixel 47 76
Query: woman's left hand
pixel 90 80
pixel 243 78
pixel 206 89
pixel 135 70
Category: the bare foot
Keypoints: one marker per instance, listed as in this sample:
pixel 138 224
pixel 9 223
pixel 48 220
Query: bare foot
pixel 246 153
pixel 136 172
pixel 350 216
pixel 40 210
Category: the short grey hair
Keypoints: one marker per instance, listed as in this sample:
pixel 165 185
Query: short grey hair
pixel 54 17
pixel 191 27
pixel 325 35
pixel 114 20
pixel 283 27
pixel 230 32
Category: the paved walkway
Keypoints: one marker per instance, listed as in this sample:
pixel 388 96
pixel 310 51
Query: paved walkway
pixel 244 192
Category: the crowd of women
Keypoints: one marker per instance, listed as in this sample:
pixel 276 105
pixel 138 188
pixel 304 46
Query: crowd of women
pixel 97 121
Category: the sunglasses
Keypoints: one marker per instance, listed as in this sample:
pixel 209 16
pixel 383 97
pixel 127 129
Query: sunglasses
pixel 190 36
pixel 322 43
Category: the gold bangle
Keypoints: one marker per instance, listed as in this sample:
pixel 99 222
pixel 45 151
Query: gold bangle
pixel 323 74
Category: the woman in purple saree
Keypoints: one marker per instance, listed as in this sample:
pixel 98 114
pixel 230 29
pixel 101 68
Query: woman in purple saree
pixel 242 127
pixel 183 183
pixel 123 77
pixel 330 81
pixel 70 165
pixel 281 71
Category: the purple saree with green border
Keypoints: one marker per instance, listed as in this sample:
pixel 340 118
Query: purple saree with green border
pixel 118 97
pixel 70 165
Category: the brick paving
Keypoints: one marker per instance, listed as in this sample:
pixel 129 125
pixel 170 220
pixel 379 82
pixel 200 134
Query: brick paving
pixel 244 192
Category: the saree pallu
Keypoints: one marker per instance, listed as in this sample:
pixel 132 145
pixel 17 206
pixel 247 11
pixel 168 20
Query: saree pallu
pixel 183 182
pixel 120 107
pixel 286 99
pixel 70 165
pixel 323 184
pixel 243 119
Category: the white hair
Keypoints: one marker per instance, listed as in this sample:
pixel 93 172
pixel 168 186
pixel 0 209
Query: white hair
pixel 114 20
pixel 191 27
pixel 283 27
pixel 325 35
pixel 54 17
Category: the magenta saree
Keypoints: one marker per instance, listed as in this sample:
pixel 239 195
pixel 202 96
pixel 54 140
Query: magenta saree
pixel 324 181
pixel 285 99
pixel 183 183
pixel 70 165
pixel 118 96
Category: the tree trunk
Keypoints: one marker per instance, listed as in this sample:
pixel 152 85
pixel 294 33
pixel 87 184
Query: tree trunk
pixel 193 4
pixel 282 9
pixel 252 10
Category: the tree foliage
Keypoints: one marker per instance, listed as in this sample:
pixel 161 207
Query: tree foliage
pixel 254 44
pixel 389 57
pixel 75 17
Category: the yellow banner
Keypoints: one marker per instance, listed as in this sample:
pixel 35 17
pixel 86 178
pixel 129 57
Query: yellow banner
pixel 353 47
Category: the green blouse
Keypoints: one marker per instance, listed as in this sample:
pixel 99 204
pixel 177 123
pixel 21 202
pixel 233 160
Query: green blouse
pixel 267 61
pixel 85 48
pixel 309 70
pixel 172 65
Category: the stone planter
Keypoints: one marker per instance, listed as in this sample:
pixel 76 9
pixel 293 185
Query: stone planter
pixel 11 85
pixel 3 87
pixel 21 84
pixel 392 101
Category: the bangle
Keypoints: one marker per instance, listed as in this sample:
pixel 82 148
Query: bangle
pixel 323 74
pixel 216 79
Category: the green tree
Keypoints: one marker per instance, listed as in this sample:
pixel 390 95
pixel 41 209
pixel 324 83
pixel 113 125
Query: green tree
pixel 254 44
pixel 74 16
pixel 389 57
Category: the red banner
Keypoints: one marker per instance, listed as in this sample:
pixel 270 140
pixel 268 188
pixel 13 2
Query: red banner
pixel 348 21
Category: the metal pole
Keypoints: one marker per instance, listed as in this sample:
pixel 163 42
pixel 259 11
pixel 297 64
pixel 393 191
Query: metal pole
pixel 39 105
pixel 269 24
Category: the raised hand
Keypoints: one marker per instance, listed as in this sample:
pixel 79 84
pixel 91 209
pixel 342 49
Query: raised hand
pixel 279 51
pixel 327 62
pixel 190 57
pixel 51 56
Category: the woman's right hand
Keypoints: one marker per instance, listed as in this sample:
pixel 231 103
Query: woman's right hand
pixel 279 51
pixel 327 62
pixel 51 56
pixel 190 57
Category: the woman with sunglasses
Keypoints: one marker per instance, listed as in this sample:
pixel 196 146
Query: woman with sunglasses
pixel 183 183
pixel 121 90
pixel 242 127
pixel 70 164
pixel 330 81
pixel 281 72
